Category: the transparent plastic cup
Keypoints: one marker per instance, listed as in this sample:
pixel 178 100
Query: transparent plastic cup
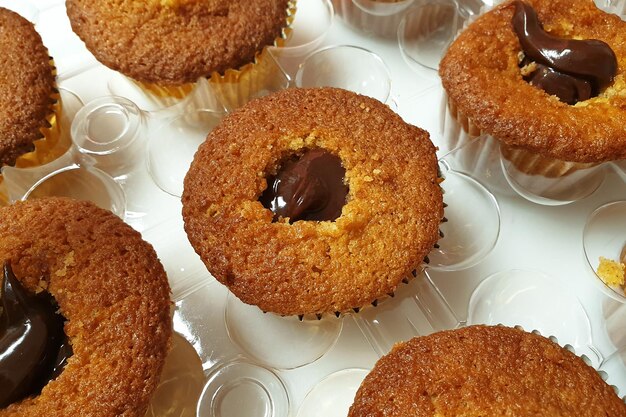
pixel 333 396
pixel 425 32
pixel 108 131
pixel 81 183
pixel 241 388
pixel 258 333
pixel 378 18
pixel 604 235
pixel 173 145
pixel 515 297
pixel 540 186
pixel 349 67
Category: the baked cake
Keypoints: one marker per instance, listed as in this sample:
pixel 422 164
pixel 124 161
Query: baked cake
pixel 484 371
pixel 326 150
pixel 114 294
pixel 173 42
pixel 501 80
pixel 27 87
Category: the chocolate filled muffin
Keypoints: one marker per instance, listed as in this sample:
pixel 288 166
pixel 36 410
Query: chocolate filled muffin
pixel 484 371
pixel 313 201
pixel 85 323
pixel 546 79
pixel 173 42
pixel 27 87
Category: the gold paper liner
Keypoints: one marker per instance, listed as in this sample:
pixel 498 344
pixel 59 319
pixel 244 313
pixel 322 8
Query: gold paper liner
pixel 51 145
pixel 236 86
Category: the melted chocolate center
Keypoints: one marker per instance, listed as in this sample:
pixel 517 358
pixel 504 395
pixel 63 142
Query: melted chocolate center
pixel 33 345
pixel 573 70
pixel 309 187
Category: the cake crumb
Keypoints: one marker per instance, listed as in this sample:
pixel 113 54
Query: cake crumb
pixel 67 262
pixel 528 69
pixel 376 171
pixel 611 272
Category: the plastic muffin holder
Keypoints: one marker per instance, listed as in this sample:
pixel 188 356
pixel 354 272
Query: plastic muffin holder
pixel 527 299
pixel 423 19
pixel 423 36
pixel 272 72
pixel 257 336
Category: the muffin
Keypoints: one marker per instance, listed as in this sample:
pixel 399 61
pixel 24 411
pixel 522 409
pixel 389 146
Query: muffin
pixel 484 371
pixel 113 293
pixel 28 93
pixel 169 44
pixel 313 201
pixel 378 17
pixel 503 83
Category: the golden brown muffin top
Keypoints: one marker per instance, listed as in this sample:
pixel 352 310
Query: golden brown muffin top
pixel 113 291
pixel 173 42
pixel 27 86
pixel 484 371
pixel 388 225
pixel 480 73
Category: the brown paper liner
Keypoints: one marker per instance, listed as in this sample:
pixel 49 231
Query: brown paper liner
pixel 235 87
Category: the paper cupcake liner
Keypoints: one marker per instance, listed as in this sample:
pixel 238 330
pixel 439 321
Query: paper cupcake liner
pixel 473 152
pixel 534 164
pixel 235 87
pixel 52 143
pixel 383 26
pixel 536 177
pixel 525 161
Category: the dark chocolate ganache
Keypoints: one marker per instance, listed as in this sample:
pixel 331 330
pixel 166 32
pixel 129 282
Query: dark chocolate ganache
pixel 573 70
pixel 33 344
pixel 307 187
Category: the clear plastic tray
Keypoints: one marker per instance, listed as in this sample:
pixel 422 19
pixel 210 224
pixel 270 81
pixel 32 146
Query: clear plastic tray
pixel 502 259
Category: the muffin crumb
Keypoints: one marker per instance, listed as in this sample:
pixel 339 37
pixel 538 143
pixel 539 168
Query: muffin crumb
pixel 611 272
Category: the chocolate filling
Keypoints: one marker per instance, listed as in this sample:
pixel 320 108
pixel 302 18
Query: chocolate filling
pixel 573 70
pixel 33 346
pixel 307 187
